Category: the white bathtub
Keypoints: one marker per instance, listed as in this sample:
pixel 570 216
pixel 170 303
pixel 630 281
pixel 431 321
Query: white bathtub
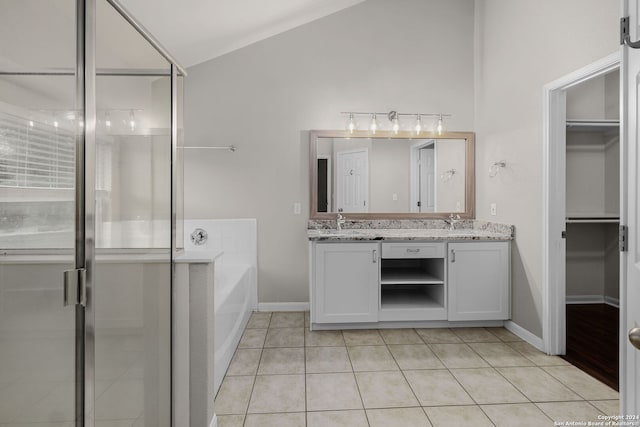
pixel 235 282
pixel 233 307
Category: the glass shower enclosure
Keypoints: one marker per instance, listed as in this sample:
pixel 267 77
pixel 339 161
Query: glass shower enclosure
pixel 90 215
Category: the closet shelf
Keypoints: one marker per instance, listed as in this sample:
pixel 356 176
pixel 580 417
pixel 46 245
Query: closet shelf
pixel 592 219
pixel 593 125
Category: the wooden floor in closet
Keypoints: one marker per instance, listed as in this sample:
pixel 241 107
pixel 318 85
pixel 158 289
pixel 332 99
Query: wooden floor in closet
pixel 593 340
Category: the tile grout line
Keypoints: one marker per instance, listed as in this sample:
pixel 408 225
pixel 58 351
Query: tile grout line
pixel 255 377
pixel 567 385
pixel 454 377
pixel 407 380
pixel 353 372
pixel 505 378
pixel 304 355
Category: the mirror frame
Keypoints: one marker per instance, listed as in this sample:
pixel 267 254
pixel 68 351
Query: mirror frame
pixel 470 192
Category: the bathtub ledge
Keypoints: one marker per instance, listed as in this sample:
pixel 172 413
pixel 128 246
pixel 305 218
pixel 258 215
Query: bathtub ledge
pixel 197 257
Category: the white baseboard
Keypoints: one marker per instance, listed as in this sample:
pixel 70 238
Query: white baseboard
pixel 521 332
pixel 585 299
pixel 214 421
pixel 612 301
pixel 283 306
pixel 593 299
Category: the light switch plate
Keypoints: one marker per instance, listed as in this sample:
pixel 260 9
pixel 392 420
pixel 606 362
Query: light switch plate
pixel 494 209
pixel 297 208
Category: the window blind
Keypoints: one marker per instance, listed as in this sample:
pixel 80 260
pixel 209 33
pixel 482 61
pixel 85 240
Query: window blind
pixel 38 156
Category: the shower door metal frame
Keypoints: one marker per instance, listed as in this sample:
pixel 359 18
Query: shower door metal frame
pixel 84 258
pixel 79 282
pixel 84 246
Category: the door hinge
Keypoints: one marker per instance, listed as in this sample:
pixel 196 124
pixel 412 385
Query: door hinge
pixel 623 237
pixel 419 204
pixel 564 234
pixel 75 287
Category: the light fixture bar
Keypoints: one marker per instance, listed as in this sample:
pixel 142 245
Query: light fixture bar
pixel 394 119
pixel 364 113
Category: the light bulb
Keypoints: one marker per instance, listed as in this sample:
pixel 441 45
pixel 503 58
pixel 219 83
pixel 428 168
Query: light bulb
pixel 107 120
pixel 418 127
pixel 55 123
pixel 31 124
pixel 351 124
pixel 132 121
pixel 395 125
pixel 374 123
pixel 81 123
pixel 439 127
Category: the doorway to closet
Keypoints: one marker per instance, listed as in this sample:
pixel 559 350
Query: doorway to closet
pixel 582 219
pixel 592 257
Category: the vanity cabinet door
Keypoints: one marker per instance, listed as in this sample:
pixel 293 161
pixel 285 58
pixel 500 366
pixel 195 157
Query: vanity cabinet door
pixel 479 281
pixel 346 282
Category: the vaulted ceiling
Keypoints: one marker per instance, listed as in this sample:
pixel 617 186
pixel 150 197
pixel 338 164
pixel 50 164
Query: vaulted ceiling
pixel 195 31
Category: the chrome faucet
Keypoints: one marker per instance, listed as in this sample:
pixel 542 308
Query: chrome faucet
pixel 451 221
pixel 340 220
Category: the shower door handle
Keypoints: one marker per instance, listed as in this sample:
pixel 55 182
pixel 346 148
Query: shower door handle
pixel 75 287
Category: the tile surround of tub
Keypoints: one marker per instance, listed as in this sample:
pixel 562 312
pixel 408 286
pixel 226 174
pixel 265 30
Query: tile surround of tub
pixel 409 377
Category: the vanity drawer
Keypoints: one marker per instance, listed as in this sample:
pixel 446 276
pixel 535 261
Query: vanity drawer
pixel 413 250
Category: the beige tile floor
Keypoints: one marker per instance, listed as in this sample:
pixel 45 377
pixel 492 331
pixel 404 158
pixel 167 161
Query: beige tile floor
pixel 286 376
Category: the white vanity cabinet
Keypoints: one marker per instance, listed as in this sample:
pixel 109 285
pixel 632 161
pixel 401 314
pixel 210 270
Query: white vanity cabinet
pixel 478 281
pixel 345 279
pixel 388 282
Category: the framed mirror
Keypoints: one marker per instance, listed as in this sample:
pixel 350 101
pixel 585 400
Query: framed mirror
pixel 392 176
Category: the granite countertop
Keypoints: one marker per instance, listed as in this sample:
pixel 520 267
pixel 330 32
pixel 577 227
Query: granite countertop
pixel 432 231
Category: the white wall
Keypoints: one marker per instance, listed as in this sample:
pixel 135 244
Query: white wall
pixel 264 97
pixel 405 55
pixel 450 194
pixel 521 46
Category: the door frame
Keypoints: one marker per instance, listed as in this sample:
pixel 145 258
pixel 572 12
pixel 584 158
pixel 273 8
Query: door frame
pixel 554 200
pixel 414 176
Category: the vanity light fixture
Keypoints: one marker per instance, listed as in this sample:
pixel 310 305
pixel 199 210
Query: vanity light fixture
pixel 373 127
pixel 351 124
pixel 394 119
pixel 395 124
pixel 418 126
pixel 132 121
pixel 495 168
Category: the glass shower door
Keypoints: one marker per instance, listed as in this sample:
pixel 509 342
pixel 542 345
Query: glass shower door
pixel 132 278
pixel 39 127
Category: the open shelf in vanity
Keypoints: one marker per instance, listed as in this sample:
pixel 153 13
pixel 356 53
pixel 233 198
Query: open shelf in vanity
pixel 412 281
